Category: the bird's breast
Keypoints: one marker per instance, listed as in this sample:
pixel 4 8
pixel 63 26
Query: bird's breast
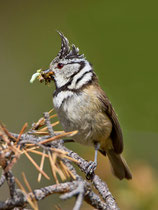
pixel 83 112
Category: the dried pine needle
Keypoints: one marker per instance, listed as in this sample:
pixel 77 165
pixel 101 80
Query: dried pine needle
pixel 45 128
pixel 62 165
pixel 38 124
pixel 50 111
pixel 7 132
pixel 26 182
pixel 54 115
pixel 61 174
pixel 53 168
pixel 71 174
pixel 25 193
pixel 36 166
pixel 41 133
pixel 22 131
pixel 36 152
pixel 29 189
pixel 47 133
pixel 69 158
pixel 41 166
pixel 57 207
pixel 15 149
pixel 59 151
pixel 71 133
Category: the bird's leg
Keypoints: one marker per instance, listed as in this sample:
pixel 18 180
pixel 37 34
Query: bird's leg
pixel 92 165
pixel 97 146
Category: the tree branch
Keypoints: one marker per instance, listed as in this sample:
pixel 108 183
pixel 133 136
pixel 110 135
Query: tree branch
pixel 78 187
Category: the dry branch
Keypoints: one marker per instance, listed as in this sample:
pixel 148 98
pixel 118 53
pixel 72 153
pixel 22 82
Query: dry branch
pixel 60 158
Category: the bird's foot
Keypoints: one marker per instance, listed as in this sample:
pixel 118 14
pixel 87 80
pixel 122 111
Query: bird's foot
pixel 90 169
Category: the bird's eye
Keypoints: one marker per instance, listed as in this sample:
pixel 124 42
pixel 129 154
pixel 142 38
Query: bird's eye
pixel 60 65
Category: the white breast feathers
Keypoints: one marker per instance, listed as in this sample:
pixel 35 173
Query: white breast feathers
pixel 63 95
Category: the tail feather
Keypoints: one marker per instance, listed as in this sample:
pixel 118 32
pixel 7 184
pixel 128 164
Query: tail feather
pixel 119 165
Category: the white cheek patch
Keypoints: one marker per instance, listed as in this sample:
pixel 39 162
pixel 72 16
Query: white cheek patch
pixel 60 81
pixel 70 69
pixel 58 100
pixel 85 78
pixel 62 76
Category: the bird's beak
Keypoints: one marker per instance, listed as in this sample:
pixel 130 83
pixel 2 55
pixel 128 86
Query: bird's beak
pixel 47 75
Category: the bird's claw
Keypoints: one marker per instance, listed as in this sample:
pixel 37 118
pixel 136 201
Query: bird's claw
pixel 90 169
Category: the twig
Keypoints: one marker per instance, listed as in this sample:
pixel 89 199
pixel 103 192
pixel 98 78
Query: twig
pixel 48 123
pixel 79 192
pixel 11 183
pixel 78 186
pixel 39 194
pixel 98 183
pixel 2 180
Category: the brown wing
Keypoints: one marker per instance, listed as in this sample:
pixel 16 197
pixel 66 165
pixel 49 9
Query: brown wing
pixel 116 134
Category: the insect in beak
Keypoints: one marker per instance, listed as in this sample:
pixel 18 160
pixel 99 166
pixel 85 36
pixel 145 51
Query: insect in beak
pixel 45 75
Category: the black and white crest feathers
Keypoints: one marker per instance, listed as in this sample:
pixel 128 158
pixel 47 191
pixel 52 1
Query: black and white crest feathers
pixel 66 52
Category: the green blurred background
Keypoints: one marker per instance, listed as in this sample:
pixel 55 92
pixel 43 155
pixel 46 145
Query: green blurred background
pixel 120 39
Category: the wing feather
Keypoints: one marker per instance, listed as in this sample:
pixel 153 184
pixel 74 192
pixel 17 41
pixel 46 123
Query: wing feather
pixel 116 134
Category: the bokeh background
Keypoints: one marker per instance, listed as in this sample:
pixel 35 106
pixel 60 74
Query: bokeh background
pixel 120 39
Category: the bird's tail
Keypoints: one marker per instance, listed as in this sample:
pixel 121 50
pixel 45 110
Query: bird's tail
pixel 119 165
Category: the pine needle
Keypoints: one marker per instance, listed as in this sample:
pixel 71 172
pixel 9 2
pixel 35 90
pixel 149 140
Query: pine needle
pixel 57 169
pixel 7 132
pixel 25 193
pixel 29 144
pixel 38 124
pixel 54 115
pixel 36 152
pixel 51 111
pixel 53 169
pixel 41 166
pixel 36 166
pixel 45 128
pixel 22 131
pixel 69 158
pixel 61 174
pixel 29 189
pixel 59 151
pixel 62 165
pixel 41 133
pixel 57 207
pixel 47 133
pixel 71 174
pixel 26 182
pixel 15 149
pixel 71 133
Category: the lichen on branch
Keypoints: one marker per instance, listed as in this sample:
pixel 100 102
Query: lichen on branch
pixel 43 141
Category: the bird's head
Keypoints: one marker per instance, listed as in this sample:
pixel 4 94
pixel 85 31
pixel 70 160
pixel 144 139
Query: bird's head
pixel 66 64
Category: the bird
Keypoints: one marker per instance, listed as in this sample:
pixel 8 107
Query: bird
pixel 82 105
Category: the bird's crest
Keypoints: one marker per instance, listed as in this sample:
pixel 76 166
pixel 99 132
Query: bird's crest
pixel 67 52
